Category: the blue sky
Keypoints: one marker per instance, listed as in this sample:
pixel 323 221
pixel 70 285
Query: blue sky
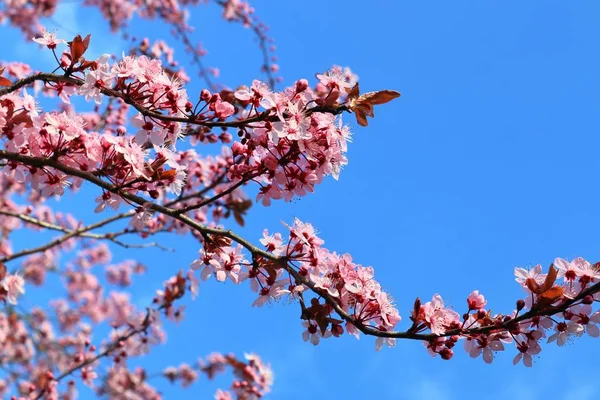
pixel 488 161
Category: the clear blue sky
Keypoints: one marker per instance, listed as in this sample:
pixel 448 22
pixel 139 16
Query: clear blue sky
pixel 488 161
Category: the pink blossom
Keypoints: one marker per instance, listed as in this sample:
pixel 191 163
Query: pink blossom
pixel 527 348
pixel 88 375
pixel 583 314
pixel 476 301
pixel 49 39
pixel 564 331
pixel 14 286
pixel 438 316
pixel 486 345
pixel 534 273
pixel 313 333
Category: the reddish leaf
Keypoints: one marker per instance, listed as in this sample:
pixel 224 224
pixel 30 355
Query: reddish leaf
pixel 353 93
pixel 239 218
pixel 548 282
pixel 78 47
pixel 2 271
pixel 362 105
pixel 4 81
pixel 380 97
pixel 361 118
pixel 532 285
pixel 550 296
pixel 550 279
pixel 168 174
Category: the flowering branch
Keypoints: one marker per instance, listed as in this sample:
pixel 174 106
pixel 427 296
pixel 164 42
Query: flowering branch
pixel 192 119
pixel 82 232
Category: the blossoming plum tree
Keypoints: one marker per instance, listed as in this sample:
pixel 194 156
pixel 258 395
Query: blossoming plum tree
pixel 129 150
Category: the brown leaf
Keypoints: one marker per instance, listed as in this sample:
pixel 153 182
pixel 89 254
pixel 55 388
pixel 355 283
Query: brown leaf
pixel 532 285
pixel 239 218
pixel 365 108
pixel 353 93
pixel 361 118
pixel 550 279
pixel 548 282
pixel 2 271
pixel 380 97
pixel 550 296
pixel 362 105
pixel 4 81
pixel 78 47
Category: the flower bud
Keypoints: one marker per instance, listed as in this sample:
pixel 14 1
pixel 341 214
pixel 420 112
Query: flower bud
pixel 205 95
pixel 446 354
pixel 301 85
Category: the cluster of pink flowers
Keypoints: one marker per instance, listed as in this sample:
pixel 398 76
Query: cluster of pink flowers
pixel 300 146
pixel 253 378
pixel 484 333
pixel 350 285
pixel 350 300
pixel 289 141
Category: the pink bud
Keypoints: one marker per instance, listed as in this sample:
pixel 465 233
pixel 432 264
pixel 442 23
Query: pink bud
pixel 205 95
pixel 226 137
pixel 301 85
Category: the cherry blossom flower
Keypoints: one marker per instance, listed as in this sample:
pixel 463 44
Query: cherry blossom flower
pixel 438 316
pixel 486 345
pixel 564 331
pixel 313 334
pixel 583 315
pixel 476 301
pixel 527 348
pixel 535 273
pixel 49 39
pixel 14 285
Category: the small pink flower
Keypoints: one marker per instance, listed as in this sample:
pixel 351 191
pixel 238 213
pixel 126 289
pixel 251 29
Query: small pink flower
pixel 476 301
pixel 49 39
pixel 487 345
pixel 438 316
pixel 88 375
pixel 535 273
pixel 564 331
pixel 313 333
pixel 223 395
pixel 223 109
pixel 528 348
pixel 567 270
pixel 14 286
pixel 583 315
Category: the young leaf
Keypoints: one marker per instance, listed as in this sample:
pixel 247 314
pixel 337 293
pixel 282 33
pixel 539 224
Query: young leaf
pixel 78 47
pixel 3 80
pixel 550 296
pixel 362 105
pixel 550 279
